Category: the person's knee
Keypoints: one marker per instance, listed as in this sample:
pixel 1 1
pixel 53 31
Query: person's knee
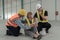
pixel 39 29
pixel 49 25
pixel 18 27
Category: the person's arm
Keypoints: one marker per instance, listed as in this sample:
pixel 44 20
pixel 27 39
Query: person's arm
pixel 31 25
pixel 35 17
pixel 20 24
pixel 45 17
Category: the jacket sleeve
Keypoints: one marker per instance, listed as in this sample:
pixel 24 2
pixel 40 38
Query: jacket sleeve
pixel 20 24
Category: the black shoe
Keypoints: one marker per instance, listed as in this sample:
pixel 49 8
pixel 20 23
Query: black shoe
pixel 34 38
pixel 17 34
pixel 39 37
pixel 47 32
pixel 20 33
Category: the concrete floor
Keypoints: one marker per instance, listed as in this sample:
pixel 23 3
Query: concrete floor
pixel 54 33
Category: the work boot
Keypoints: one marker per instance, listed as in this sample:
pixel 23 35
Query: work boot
pixel 47 31
pixel 20 33
pixel 17 34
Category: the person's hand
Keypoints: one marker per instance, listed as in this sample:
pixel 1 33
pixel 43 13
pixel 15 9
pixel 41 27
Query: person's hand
pixel 32 25
pixel 40 13
pixel 35 24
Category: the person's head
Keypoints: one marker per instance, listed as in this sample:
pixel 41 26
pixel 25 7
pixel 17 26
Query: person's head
pixel 22 12
pixel 39 7
pixel 29 14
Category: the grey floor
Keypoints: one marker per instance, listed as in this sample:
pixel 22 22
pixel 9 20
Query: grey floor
pixel 54 32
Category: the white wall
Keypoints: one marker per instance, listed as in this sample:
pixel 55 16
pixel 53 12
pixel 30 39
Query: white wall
pixel 31 7
pixel 49 5
pixel 58 9
pixel 27 5
pixel 1 12
pixel 11 7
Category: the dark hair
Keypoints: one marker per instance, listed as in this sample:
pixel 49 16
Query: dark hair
pixel 29 13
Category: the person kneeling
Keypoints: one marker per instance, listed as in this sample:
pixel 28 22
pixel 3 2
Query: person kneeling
pixel 14 23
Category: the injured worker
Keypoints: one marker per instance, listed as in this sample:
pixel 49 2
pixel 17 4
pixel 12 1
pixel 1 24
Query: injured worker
pixel 30 22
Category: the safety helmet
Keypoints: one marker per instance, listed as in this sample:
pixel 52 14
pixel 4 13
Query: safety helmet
pixel 22 12
pixel 38 6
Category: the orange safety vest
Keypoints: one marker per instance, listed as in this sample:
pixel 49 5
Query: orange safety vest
pixel 10 21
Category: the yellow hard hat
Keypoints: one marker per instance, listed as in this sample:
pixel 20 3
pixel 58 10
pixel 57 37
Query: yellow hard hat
pixel 22 12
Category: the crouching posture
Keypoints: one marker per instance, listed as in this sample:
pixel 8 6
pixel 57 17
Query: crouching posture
pixel 33 32
pixel 42 16
pixel 14 24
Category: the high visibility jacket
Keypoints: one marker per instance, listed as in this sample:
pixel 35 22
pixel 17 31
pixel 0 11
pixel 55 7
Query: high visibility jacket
pixel 39 17
pixel 28 22
pixel 11 22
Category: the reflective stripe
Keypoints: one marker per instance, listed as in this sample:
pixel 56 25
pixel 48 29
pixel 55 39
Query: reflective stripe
pixel 11 22
pixel 28 23
pixel 39 17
